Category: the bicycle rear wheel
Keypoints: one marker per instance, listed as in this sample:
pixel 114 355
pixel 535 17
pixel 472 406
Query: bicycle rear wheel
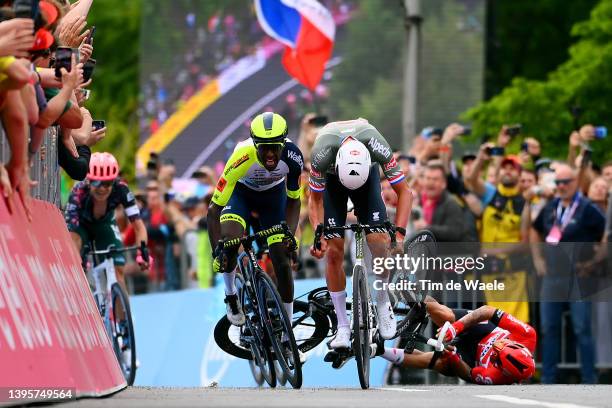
pixel 122 329
pixel 361 325
pixel 279 328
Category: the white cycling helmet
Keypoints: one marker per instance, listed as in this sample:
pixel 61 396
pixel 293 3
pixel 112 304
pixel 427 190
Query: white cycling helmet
pixel 353 164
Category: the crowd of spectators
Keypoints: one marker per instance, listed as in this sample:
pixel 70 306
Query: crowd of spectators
pixel 41 87
pixel 540 223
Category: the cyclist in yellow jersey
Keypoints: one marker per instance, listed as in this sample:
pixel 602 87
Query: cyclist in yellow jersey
pixel 262 176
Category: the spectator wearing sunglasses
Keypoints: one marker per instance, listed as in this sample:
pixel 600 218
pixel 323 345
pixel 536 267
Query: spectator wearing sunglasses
pixel 570 225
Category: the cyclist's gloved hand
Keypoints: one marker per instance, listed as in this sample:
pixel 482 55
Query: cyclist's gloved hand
pixel 290 242
pixel 219 260
pixel 454 330
pixel 143 259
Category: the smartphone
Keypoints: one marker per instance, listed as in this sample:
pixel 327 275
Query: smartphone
pixel 496 151
pixel 466 131
pixel 90 36
pixel 318 121
pixel 86 93
pixel 524 147
pixel 25 8
pixel 98 124
pixel 513 130
pixel 601 132
pixel 63 59
pixel 586 157
pixel 88 69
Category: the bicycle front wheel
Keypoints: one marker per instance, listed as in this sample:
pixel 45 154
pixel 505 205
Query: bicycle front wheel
pixel 361 325
pixel 421 246
pixel 122 329
pixel 279 328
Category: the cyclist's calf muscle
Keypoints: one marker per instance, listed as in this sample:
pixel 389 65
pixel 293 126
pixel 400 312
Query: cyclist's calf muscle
pixel 336 279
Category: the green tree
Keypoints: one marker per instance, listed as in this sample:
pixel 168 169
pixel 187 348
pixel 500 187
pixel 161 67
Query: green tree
pixel 543 106
pixel 529 38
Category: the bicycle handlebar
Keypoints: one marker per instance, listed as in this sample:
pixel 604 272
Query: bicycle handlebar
pixel 282 228
pixel 113 250
pixel 321 229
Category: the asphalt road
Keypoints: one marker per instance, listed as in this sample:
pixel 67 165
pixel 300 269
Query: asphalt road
pixel 468 396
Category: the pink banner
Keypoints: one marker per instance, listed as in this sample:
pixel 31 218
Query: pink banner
pixel 51 333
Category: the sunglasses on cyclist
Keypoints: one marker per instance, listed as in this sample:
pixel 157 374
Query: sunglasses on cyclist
pixel 102 183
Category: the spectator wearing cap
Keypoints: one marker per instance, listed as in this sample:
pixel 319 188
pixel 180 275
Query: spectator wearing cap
pixel 431 148
pixel 501 223
pixel 569 218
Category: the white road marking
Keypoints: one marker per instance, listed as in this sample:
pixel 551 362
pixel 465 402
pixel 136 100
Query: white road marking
pixel 239 121
pixel 524 401
pixel 402 389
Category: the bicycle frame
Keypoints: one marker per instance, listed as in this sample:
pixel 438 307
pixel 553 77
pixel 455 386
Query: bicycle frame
pixel 106 267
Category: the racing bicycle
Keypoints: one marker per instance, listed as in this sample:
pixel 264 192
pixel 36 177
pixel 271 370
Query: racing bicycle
pixel 114 307
pixel 267 334
pixel 363 312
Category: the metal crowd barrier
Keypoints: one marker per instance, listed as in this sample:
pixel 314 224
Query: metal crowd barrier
pixel 44 167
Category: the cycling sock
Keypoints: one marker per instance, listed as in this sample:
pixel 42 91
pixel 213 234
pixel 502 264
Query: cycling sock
pixel 230 282
pixel 339 301
pixel 394 355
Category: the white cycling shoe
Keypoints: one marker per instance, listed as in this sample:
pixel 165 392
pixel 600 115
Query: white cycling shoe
pixel 234 310
pixel 387 326
pixel 342 339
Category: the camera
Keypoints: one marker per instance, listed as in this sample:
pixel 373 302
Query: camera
pixel 495 151
pixel 513 130
pixel 524 147
pixel 318 121
pixel 466 131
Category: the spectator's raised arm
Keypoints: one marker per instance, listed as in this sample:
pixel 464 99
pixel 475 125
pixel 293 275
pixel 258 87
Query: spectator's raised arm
pixel 473 180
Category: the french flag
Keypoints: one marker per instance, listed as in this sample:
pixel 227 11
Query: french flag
pixel 307 29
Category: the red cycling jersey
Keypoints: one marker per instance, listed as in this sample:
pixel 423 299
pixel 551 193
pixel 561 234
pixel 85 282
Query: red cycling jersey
pixel 508 327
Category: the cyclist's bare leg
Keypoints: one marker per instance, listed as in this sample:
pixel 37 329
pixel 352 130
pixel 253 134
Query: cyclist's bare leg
pixel 379 247
pixel 336 279
pixel 78 242
pixel 419 359
pixel 284 278
pixel 438 313
pixel 229 230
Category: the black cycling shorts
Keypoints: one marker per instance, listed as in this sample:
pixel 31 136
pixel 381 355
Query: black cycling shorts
pixel 270 205
pixel 468 340
pixel 367 199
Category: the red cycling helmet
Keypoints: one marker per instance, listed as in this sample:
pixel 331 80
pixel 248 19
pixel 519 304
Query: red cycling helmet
pixel 103 167
pixel 515 360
